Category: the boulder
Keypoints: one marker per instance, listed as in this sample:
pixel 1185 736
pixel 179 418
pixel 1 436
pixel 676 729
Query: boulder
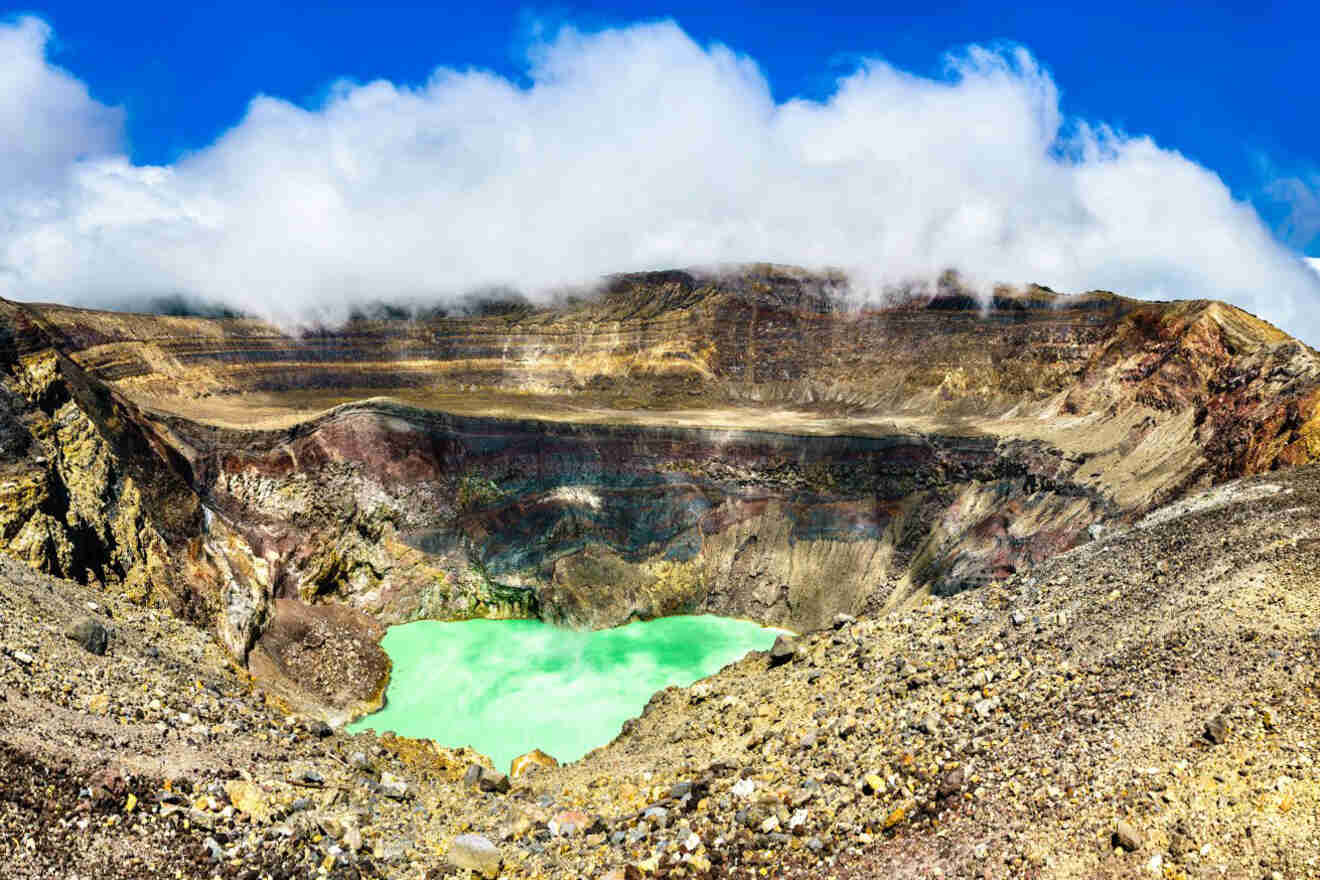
pixel 476 854
pixel 1126 837
pixel 1216 730
pixel 394 787
pixel 486 779
pixel 570 823
pixel 951 783
pixel 91 634
pixel 530 763
pixel 784 649
pixel 627 872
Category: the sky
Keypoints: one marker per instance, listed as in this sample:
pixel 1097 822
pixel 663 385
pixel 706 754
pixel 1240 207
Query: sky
pixel 292 161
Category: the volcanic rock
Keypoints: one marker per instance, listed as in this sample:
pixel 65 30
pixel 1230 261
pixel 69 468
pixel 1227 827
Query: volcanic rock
pixel 475 853
pixel 91 634
pixel 784 649
pixel 530 763
pixel 1127 837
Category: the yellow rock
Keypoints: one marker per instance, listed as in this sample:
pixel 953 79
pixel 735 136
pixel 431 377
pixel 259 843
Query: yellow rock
pixel 249 798
pixel 530 762
pixel 98 703
pixel 898 815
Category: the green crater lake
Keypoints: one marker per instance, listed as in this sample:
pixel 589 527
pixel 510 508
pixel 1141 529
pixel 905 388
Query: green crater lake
pixel 505 687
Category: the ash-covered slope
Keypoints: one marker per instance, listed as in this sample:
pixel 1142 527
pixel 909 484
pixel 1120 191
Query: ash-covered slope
pixel 749 443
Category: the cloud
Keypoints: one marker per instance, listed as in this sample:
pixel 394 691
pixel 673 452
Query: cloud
pixel 1302 196
pixel 627 149
pixel 47 119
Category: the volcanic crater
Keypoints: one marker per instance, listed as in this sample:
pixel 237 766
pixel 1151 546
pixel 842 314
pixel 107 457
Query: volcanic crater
pixel 888 480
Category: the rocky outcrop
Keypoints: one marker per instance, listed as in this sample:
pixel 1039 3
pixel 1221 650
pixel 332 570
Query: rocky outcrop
pixel 323 659
pixel 89 492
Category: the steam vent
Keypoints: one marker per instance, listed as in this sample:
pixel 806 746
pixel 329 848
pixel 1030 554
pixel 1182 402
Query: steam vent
pixel 1029 584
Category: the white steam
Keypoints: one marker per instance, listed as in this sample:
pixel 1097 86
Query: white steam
pixel 631 149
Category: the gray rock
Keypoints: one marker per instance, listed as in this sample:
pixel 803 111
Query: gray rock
pixel 213 849
pixel 1127 837
pixel 1018 618
pixel 951 783
pixel 784 649
pixel 476 854
pixel 1216 730
pixel 393 851
pixel 842 620
pixel 91 634
pixel 393 787
pixel 493 781
pixel 486 779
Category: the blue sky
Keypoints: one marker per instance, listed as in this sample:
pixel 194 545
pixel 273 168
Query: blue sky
pixel 1230 84
pixel 296 160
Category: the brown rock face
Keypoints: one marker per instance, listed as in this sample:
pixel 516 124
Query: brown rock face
pixel 322 657
pixel 746 444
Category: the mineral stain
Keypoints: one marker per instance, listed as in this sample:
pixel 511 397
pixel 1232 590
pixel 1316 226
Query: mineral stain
pixel 505 687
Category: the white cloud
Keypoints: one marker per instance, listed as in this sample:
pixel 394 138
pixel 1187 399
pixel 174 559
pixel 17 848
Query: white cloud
pixel 47 119
pixel 631 149
pixel 1314 263
pixel 1301 194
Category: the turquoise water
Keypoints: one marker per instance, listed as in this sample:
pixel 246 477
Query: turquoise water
pixel 505 687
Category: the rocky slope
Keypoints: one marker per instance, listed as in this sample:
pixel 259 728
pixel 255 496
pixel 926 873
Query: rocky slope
pixel 1143 705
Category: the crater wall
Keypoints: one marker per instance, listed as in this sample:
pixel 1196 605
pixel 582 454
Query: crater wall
pixel 760 443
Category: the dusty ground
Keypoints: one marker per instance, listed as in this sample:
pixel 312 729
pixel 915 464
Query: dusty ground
pixel 1164 676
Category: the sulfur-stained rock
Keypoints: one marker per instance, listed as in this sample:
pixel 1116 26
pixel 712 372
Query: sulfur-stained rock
pixel 531 762
pixel 248 797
